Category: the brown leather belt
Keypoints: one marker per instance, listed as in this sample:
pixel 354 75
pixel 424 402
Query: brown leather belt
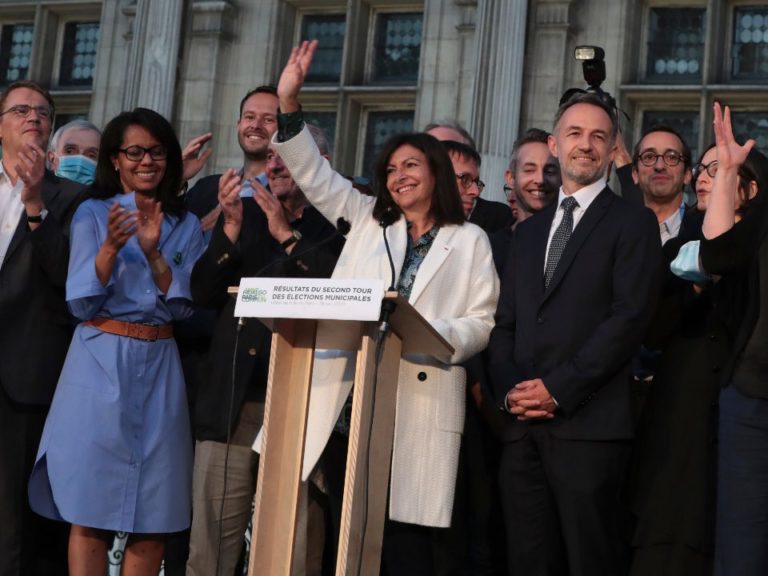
pixel 147 332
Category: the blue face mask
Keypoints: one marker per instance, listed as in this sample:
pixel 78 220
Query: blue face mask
pixel 77 168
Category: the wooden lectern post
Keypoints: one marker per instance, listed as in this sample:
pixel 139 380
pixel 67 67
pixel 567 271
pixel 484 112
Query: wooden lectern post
pixel 285 422
pixel 370 442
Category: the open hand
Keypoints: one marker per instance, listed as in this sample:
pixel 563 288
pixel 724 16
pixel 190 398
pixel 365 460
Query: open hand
pixel 121 225
pixel 273 209
pixel 730 153
pixel 31 169
pixel 294 74
pixel 194 157
pixel 229 196
pixel 148 228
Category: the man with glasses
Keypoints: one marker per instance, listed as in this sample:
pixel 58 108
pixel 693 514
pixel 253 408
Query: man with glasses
pixel 490 216
pixel 661 168
pixel 35 210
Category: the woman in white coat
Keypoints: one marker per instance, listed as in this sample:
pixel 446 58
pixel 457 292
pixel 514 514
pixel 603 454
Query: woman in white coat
pixel 443 265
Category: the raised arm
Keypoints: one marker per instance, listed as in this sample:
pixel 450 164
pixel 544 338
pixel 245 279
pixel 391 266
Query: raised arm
pixel 721 212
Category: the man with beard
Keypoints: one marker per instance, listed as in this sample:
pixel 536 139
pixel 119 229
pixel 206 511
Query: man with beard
pixel 661 168
pixel 253 237
pixel 580 281
pixel 255 127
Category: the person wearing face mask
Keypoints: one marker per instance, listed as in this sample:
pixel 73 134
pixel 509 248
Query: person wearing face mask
pixel 73 151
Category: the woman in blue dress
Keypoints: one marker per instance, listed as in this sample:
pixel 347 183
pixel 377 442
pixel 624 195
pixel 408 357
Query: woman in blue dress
pixel 116 451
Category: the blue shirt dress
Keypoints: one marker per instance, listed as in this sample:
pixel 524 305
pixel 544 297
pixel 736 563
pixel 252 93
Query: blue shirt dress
pixel 116 451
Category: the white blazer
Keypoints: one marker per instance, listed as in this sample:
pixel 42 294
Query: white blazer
pixel 456 289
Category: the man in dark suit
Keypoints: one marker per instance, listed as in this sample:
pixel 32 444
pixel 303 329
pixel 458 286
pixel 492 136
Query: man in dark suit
pixel 35 210
pixel 491 216
pixel 579 285
pixel 255 126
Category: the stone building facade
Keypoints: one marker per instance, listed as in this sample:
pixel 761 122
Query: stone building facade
pixel 497 66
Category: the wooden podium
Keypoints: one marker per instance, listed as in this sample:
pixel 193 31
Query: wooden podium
pixel 369 455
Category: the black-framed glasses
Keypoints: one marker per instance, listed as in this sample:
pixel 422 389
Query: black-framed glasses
pixel 710 169
pixel 670 157
pixel 23 111
pixel 508 190
pixel 136 153
pixel 466 181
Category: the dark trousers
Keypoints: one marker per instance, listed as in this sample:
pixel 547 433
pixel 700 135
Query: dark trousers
pixel 407 550
pixel 29 544
pixel 563 505
pixel 741 532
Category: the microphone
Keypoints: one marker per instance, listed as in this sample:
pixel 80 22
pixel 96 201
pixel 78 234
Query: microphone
pixel 387 306
pixel 388 218
pixel 342 229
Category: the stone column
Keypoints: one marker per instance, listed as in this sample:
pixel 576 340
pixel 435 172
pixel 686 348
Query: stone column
pixel 551 62
pixel 152 63
pixel 495 114
pixel 207 47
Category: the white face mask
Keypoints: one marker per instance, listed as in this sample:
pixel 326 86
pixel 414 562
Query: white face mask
pixel 78 168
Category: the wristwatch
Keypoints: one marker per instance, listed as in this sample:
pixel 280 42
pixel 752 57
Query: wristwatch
pixel 37 219
pixel 292 240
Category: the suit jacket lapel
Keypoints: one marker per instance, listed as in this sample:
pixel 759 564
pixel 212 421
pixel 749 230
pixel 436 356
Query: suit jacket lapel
pixel 437 254
pixel 591 217
pixel 18 235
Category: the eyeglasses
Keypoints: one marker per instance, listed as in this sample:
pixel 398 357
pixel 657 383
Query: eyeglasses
pixel 466 182
pixel 508 190
pixel 23 111
pixel 649 158
pixel 710 169
pixel 136 153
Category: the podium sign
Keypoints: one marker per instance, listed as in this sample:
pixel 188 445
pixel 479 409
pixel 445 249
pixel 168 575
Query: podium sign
pixel 353 306
pixel 315 298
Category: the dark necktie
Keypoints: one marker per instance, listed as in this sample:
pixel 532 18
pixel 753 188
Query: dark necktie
pixel 560 238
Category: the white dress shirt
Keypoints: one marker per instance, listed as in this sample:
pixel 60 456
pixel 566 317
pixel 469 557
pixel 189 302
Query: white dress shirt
pixel 584 196
pixel 10 210
pixel 670 228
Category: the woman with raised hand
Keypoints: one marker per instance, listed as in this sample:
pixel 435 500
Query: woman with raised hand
pixel 116 452
pixel 443 266
pixel 675 448
pixel 732 248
